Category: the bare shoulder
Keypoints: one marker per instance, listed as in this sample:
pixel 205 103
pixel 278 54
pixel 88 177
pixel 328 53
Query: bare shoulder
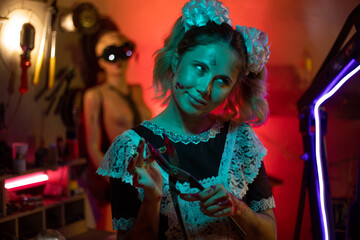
pixel 91 95
pixel 94 91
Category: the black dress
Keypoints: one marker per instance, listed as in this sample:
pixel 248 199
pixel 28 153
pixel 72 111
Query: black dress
pixel 229 153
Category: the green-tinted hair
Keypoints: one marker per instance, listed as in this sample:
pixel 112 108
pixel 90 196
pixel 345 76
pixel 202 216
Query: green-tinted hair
pixel 247 99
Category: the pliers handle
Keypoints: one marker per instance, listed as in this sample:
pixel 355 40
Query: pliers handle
pixel 173 171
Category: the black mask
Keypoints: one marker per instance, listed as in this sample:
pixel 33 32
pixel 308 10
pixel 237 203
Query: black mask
pixel 113 53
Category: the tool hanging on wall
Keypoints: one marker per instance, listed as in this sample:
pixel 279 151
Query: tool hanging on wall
pixel 59 79
pixel 68 78
pixel 64 75
pixel 40 56
pixel 52 41
pixel 27 39
pixel 49 54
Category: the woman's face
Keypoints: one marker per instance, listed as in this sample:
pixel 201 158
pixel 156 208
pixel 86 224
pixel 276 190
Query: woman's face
pixel 204 78
pixel 108 39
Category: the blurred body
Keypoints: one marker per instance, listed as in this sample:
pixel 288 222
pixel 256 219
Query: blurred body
pixel 110 108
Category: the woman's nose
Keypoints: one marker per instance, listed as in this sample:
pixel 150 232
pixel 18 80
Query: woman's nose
pixel 204 86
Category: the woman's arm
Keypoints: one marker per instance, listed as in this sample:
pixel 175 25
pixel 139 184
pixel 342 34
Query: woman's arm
pixel 147 223
pixel 260 225
pixel 146 175
pixel 92 105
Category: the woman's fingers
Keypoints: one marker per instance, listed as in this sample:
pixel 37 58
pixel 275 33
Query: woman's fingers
pixel 149 159
pixel 199 196
pixel 140 150
pixel 132 163
pixel 190 197
pixel 216 201
pixel 226 212
pixel 208 192
pixel 139 161
pixel 149 178
pixel 146 173
pixel 202 196
pixel 230 205
pixel 136 160
pixel 218 204
pixel 136 178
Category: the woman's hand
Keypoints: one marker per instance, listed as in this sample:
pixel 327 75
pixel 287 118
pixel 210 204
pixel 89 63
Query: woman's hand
pixel 146 173
pixel 216 201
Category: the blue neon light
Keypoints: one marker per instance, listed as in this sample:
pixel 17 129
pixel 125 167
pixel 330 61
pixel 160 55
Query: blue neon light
pixel 334 86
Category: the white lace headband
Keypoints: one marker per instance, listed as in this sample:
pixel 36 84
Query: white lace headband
pixel 199 12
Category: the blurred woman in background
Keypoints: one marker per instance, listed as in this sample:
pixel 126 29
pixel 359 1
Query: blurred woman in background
pixel 110 107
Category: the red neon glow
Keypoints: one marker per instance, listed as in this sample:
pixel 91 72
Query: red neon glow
pixel 26 180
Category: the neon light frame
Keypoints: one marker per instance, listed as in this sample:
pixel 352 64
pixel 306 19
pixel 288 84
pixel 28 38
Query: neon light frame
pixel 332 88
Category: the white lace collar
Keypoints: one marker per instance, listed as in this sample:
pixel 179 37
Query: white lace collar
pixel 195 139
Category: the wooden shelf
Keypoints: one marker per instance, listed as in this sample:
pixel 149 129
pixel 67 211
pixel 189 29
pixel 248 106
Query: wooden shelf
pixel 66 214
pixel 47 204
pixel 92 234
pixel 33 170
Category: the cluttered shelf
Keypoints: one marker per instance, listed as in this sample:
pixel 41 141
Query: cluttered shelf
pixel 67 217
pixel 54 202
pixel 46 204
pixel 70 163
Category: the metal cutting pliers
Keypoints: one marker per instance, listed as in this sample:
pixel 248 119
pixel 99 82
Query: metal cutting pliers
pixel 173 171
pixel 175 174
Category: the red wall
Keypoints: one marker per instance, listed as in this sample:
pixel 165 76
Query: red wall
pixel 149 22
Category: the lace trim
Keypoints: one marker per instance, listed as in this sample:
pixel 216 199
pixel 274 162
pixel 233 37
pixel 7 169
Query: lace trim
pixel 123 224
pixel 118 155
pixel 116 159
pixel 242 157
pixel 263 204
pixel 198 225
pixel 203 137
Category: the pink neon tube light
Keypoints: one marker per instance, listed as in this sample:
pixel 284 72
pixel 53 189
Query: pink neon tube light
pixel 26 180
pixel 324 96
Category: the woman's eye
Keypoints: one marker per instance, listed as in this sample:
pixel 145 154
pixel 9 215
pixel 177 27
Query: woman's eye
pixel 199 68
pixel 223 81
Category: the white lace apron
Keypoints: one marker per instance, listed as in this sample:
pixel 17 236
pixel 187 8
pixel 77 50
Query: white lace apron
pixel 241 159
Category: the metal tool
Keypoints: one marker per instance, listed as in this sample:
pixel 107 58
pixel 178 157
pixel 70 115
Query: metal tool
pixel 175 174
pixel 173 171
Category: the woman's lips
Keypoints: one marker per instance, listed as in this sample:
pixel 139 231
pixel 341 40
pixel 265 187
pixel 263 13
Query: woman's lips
pixel 198 100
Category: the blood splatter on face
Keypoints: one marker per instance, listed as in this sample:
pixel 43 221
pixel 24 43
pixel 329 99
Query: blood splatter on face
pixel 178 86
